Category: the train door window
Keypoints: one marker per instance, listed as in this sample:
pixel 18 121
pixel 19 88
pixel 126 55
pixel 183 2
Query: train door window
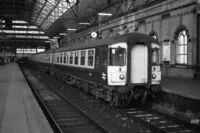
pixel 90 57
pixel 71 58
pixel 105 57
pixel 155 57
pixel 76 57
pixel 102 53
pixel 117 56
pixel 57 55
pixel 82 58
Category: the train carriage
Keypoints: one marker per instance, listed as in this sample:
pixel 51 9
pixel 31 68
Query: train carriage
pixel 116 69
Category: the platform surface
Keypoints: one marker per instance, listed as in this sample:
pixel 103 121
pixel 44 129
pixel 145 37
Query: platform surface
pixel 185 87
pixel 19 110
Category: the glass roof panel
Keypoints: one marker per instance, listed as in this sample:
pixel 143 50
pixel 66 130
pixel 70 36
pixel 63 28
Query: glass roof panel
pixel 51 9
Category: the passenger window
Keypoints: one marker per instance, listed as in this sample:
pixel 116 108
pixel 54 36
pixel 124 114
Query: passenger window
pixel 76 58
pixel 60 57
pixel 57 57
pixel 65 57
pixel 82 58
pixel 71 58
pixel 90 57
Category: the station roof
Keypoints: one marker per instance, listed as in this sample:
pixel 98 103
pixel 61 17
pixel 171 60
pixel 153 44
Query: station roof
pixel 36 21
pixel 48 17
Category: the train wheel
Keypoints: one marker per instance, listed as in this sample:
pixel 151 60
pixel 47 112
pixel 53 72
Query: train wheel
pixel 140 94
pixel 114 100
pixel 125 98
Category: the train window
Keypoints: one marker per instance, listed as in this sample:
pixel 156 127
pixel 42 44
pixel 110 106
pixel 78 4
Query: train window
pixel 105 58
pixel 82 58
pixel 90 57
pixel 117 56
pixel 60 57
pixel 54 58
pixel 155 56
pixel 64 61
pixel 76 58
pixel 57 57
pixel 65 57
pixel 71 57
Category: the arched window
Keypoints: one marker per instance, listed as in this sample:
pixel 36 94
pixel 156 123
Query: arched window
pixel 182 48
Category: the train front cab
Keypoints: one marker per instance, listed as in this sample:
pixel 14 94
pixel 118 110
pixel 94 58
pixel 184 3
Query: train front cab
pixel 134 67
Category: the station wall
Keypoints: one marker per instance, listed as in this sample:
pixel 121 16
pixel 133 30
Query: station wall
pixel 169 21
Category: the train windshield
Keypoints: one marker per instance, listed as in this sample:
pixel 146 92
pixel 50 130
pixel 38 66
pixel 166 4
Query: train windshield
pixel 117 56
pixel 155 54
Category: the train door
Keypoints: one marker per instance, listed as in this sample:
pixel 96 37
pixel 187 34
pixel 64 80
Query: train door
pixel 139 64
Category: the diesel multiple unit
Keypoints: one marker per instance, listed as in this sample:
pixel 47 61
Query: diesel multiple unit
pixel 117 69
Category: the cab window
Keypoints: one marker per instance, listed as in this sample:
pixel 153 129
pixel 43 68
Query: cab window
pixel 117 56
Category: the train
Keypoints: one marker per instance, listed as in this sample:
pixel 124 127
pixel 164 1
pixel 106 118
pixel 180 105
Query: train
pixel 116 69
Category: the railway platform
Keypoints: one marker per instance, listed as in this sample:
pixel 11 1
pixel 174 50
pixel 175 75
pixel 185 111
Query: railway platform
pixel 184 87
pixel 19 110
pixel 182 95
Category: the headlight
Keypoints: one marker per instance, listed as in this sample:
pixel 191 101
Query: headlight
pixel 121 76
pixel 153 76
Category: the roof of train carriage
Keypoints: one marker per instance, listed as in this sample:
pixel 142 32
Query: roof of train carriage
pixel 130 37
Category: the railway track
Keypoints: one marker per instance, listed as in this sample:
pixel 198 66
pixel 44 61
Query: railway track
pixel 66 118
pixel 158 122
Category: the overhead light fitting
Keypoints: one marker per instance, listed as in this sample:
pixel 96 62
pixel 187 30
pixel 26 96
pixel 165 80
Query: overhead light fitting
pixel 62 34
pixel 104 14
pixel 84 23
pixel 56 37
pixel 71 29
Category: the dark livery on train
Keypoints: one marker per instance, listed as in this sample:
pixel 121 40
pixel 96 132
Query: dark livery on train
pixel 117 69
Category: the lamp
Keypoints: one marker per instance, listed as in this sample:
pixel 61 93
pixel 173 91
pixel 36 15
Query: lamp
pixel 104 14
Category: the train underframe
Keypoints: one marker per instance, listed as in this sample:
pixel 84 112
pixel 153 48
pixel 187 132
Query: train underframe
pixel 115 95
